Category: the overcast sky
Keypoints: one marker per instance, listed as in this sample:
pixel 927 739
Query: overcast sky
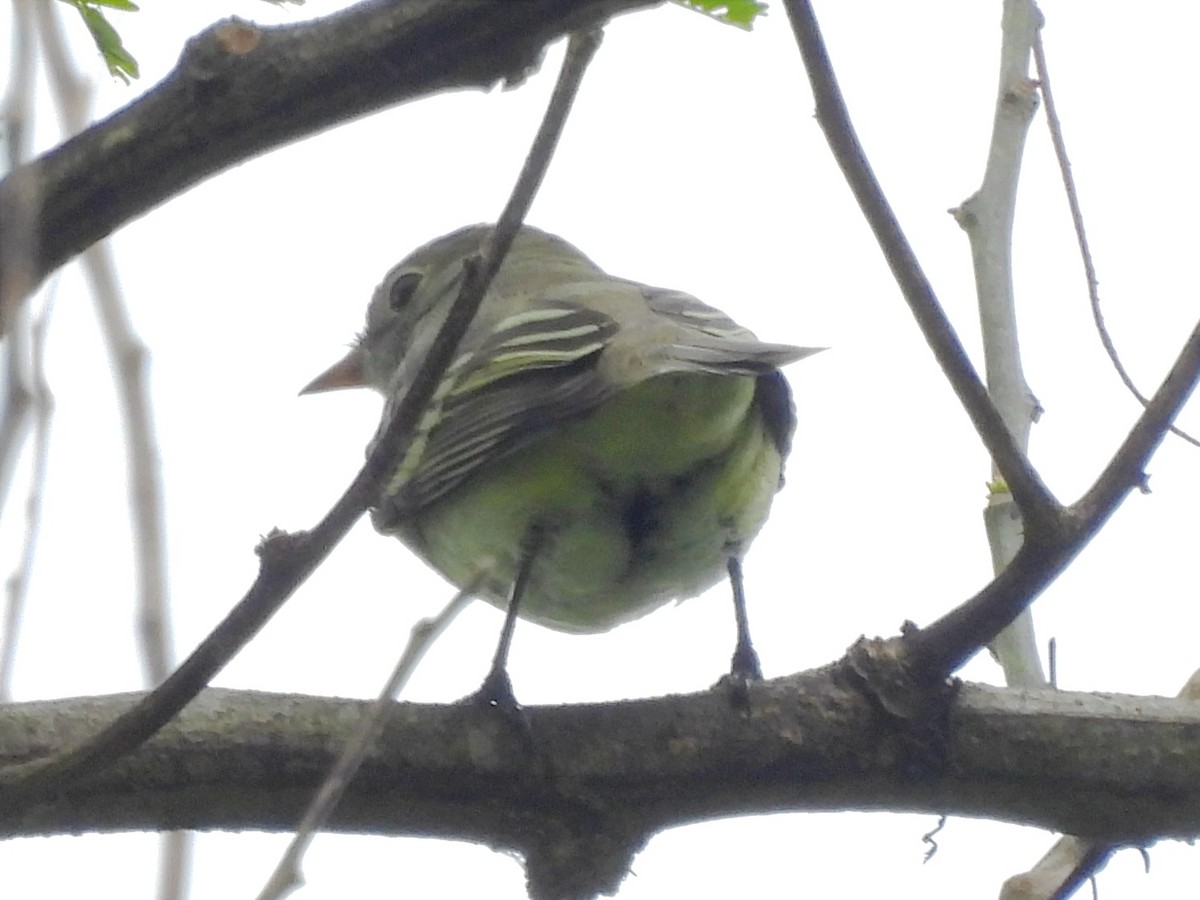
pixel 692 161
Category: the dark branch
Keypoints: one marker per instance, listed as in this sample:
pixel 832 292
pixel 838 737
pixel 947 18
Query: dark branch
pixel 580 50
pixel 1054 535
pixel 954 638
pixel 1116 768
pixel 288 559
pixel 1127 469
pixel 1032 497
pixel 239 90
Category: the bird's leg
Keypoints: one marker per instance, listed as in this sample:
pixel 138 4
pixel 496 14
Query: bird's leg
pixel 496 691
pixel 745 666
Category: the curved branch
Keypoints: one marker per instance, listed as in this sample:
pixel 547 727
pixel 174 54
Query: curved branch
pixel 1054 126
pixel 1032 496
pixel 239 90
pixel 956 637
pixel 1054 534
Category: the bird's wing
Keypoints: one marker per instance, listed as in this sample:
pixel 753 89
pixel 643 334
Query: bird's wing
pixel 707 340
pixel 534 369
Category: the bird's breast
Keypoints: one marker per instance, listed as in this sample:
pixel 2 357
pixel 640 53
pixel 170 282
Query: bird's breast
pixel 640 502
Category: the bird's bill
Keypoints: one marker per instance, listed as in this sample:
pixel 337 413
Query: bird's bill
pixel 347 372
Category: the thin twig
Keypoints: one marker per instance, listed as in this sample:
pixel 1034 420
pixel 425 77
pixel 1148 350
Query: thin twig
pixel 287 876
pixel 20 236
pixel 288 559
pixel 14 425
pixel 17 238
pixel 128 358
pixel 1085 253
pixel 16 243
pixel 18 401
pixel 581 47
pixel 17 586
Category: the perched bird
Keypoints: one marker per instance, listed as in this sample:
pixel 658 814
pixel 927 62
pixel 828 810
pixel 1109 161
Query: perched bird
pixel 596 448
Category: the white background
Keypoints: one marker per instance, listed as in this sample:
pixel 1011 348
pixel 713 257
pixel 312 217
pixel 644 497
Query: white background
pixel 692 161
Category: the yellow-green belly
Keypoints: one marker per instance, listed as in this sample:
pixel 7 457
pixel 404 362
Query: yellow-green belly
pixel 641 502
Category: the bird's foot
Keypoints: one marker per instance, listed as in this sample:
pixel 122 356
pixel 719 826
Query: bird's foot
pixel 743 671
pixel 496 695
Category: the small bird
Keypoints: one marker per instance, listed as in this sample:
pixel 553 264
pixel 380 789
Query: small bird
pixel 596 448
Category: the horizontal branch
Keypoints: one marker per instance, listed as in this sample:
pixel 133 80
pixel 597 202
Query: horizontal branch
pixel 240 89
pixel 608 777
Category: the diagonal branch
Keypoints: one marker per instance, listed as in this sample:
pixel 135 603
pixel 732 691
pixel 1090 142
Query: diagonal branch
pixel 286 877
pixel 1035 500
pixel 288 559
pixel 1054 535
pixel 955 638
pixel 1085 251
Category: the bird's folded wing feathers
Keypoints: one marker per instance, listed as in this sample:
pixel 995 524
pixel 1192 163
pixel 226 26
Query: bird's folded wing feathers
pixel 534 369
pixel 541 365
pixel 710 341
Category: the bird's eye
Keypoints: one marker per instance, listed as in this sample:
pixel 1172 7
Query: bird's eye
pixel 402 290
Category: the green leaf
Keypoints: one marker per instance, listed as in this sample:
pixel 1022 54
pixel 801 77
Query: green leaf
pixel 741 13
pixel 120 61
pixel 123 5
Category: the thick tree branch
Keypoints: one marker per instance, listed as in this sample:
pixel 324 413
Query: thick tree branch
pixel 239 90
pixel 1126 769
